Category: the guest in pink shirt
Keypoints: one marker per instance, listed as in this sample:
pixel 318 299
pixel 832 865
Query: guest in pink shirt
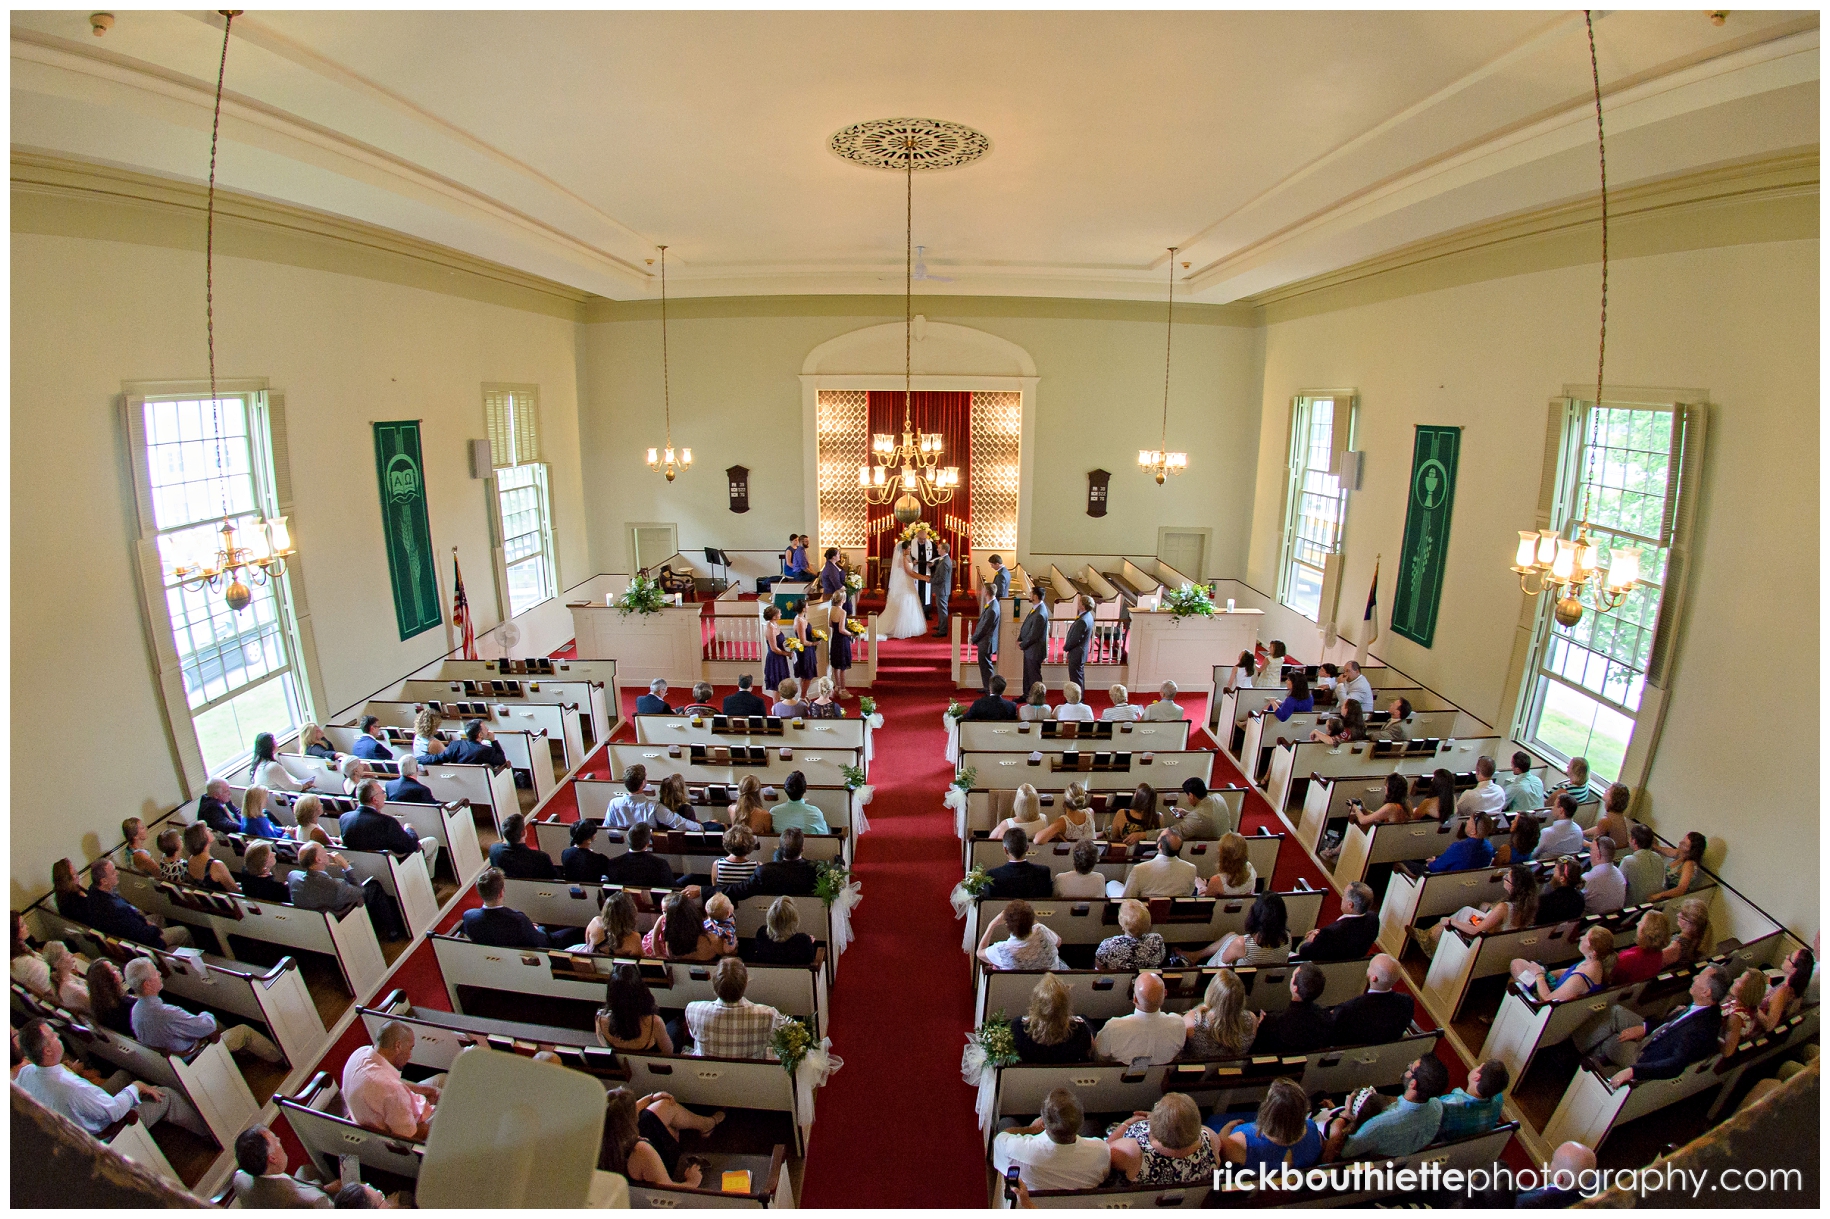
pixel 375 1094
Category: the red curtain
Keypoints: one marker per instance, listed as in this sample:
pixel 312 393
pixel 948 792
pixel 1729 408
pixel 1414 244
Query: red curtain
pixel 950 414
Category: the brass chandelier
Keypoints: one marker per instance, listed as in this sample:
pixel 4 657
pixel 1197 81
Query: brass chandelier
pixel 1571 566
pixel 665 460
pixel 908 471
pixel 1160 463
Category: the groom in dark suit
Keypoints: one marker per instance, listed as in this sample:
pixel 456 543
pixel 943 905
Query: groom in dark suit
pixel 942 577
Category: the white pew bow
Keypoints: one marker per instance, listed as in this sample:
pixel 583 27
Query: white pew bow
pixel 813 1071
pixel 976 1068
pixel 963 900
pixel 874 719
pixel 859 798
pixel 955 799
pixel 952 726
pixel 840 912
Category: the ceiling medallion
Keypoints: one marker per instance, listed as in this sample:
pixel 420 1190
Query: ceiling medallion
pixel 910 143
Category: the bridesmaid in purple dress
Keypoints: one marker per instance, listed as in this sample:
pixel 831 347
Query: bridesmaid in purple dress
pixel 806 665
pixel 775 666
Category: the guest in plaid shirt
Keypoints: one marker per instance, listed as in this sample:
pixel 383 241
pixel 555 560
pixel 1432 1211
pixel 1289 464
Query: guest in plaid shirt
pixel 1475 1109
pixel 732 1027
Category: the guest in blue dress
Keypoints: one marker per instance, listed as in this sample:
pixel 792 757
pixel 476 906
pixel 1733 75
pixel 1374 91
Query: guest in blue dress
pixel 1283 1133
pixel 1297 701
pixel 775 667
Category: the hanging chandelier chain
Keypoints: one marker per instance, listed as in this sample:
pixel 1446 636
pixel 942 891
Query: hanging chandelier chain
pixel 667 404
pixel 1168 339
pixel 1601 144
pixel 209 260
pixel 908 288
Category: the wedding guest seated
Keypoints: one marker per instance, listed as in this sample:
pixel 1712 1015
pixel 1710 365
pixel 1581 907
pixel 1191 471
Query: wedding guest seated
pixel 1201 815
pixel 1304 1026
pixel 1219 1026
pixel 134 833
pixel 1476 1108
pixel 1148 1032
pixel 368 743
pixel 1604 886
pixel 1686 870
pixel 641 1139
pixel 787 873
pixel 46 1079
pixel 257 875
pixel 1522 842
pixel 1137 820
pixel 1334 732
pixel 1406 1125
pixel 1073 707
pixel 254 819
pixel 1518 910
pixel 261 1181
pixel 721 922
pixel 1524 790
pixel 1234 873
pixel 1662 1048
pixel 1613 821
pixel 1050 1152
pixel 1471 848
pixel 314 744
pixel 702 700
pixel 166 1026
pixel 1265 941
pixel 1051 1032
pixel 630 1019
pixel 1585 977
pixel 639 867
pixel 376 1096
pixel 407 789
pixel 1439 805
pixel 1025 814
pixel 202 870
pixel 788 702
pixel 1644 868
pixel 993 705
pixel 171 855
pixel 367 828
pixel 1170 1147
pixel 71 899
pixel 1740 1011
pixel 496 924
pixel 1692 933
pixel 1163 875
pixel 353 770
pixel 732 1026
pixel 1646 958
pixel 1350 936
pixel 325 881
pixel 613 930
pixel 72 992
pixel 1136 946
pixel 795 813
pixel 578 863
pixel 1165 707
pixel 1485 796
pixel 1083 882
pixel 1296 699
pixel 1353 718
pixel 780 940
pixel 1015 940
pixel 680 934
pixel 1561 900
pixel 1035 707
pixel 1395 810
pixel 1075 824
pixel 517 860
pixel 114 915
pixel 1788 996
pixel 1569 1165
pixel 1282 1134
pixel 655 701
pixel 736 867
pixel 1378 1015
pixel 1017 877
pixel 28 967
pixel 109 1001
pixel 427 744
pixel 1576 782
pixel 477 747
pixel 214 809
pixel 744 701
pixel 1563 836
pixel 1121 709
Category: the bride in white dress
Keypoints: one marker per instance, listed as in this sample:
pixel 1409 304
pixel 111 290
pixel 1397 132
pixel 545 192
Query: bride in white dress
pixel 902 616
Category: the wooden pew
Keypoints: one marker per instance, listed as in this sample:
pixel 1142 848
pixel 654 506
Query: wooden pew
pixel 1117 770
pixel 451 825
pixel 600 675
pixel 1461 959
pixel 1293 765
pixel 1100 994
pixel 1326 797
pixel 774 730
pixel 686 852
pixel 403 878
pixel 793 989
pixel 318 1117
pixel 558 708
pixel 275 997
pixel 520 746
pixel 1366 846
pixel 822 767
pixel 594 795
pixel 985 806
pixel 350 939
pixel 1052 736
pixel 1058 857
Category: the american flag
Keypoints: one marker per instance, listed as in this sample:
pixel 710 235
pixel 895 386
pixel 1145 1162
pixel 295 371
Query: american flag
pixel 460 610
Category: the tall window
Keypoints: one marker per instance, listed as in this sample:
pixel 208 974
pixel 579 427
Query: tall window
pixel 208 463
pixel 1316 503
pixel 1588 680
pixel 523 517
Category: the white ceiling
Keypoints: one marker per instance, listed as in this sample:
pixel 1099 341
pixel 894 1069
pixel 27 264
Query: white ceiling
pixel 1268 146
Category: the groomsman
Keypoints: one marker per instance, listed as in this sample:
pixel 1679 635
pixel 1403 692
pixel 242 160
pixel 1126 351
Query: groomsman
pixel 1032 637
pixel 942 579
pixel 985 637
pixel 1000 578
pixel 1079 632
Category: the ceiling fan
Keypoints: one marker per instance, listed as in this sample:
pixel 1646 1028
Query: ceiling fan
pixel 921 268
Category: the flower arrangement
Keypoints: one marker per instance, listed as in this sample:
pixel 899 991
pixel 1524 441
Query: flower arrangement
pixel 917 530
pixel 867 706
pixel 791 1042
pixel 853 582
pixel 996 1039
pixel 854 777
pixel 967 776
pixel 1189 601
pixel 644 596
pixel 977 882
pixel 955 712
pixel 830 878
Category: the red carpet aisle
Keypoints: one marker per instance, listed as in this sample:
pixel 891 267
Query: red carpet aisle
pixel 896 1126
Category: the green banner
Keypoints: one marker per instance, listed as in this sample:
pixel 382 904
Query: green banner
pixel 405 528
pixel 1426 533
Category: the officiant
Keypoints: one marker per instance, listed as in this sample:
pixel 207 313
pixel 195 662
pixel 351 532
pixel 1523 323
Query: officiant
pixel 922 551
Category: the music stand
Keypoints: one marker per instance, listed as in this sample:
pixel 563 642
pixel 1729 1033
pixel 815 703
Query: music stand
pixel 716 558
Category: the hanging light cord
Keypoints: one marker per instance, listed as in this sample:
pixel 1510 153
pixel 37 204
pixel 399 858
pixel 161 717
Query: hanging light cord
pixel 1168 339
pixel 908 285
pixel 667 405
pixel 1601 143
pixel 209 256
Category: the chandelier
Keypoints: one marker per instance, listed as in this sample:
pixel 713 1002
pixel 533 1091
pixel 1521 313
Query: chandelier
pixel 665 460
pixel 1160 463
pixel 272 537
pixel 908 471
pixel 1571 566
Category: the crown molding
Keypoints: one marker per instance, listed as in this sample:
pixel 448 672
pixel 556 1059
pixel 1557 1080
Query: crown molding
pixel 1771 198
pixel 951 308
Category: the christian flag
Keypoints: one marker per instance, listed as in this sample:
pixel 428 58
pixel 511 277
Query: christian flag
pixel 1369 629
pixel 460 610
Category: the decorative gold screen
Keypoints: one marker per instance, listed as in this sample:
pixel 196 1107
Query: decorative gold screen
pixel 843 418
pixel 997 431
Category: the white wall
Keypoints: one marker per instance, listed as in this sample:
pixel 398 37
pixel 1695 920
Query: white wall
pixel 1739 322
pixel 736 393
pixel 88 315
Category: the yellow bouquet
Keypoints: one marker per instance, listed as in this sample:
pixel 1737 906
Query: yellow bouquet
pixel 819 636
pixel 854 626
pixel 792 644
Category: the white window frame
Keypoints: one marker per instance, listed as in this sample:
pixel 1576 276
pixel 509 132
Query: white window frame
pixel 511 449
pixel 1299 476
pixel 268 470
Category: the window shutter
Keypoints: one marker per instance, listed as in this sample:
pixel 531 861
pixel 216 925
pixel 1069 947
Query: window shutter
pixel 309 681
pixel 1689 423
pixel 511 416
pixel 156 614
pixel 527 426
pixel 498 420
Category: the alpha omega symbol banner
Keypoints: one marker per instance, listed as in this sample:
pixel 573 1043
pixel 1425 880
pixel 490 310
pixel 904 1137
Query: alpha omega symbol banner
pixel 405 529
pixel 1426 533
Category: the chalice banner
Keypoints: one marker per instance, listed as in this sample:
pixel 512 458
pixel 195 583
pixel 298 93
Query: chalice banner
pixel 1426 533
pixel 405 529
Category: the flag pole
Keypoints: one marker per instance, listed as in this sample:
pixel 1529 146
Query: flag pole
pixel 1369 625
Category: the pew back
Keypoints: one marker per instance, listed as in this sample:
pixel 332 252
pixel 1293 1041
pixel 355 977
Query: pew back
pixel 1100 769
pixel 1051 736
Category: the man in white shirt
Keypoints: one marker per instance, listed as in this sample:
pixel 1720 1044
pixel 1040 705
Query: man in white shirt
pixel 1604 886
pixel 1485 796
pixel 1050 1152
pixel 1165 708
pixel 1121 709
pixel 1148 1032
pixel 61 1090
pixel 1163 875
pixel 1562 836
pixel 1353 684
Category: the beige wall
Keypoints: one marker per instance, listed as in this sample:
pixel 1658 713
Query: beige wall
pixel 88 315
pixel 737 401
pixel 1740 323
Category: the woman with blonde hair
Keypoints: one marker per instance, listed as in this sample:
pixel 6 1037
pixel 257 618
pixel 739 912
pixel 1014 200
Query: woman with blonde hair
pixel 1169 1147
pixel 1220 1027
pixel 313 743
pixel 1074 708
pixel 1121 709
pixel 1051 1032
pixel 1740 1011
pixel 1234 875
pixel 748 809
pixel 425 734
pixel 1692 934
pixel 1646 958
pixel 823 706
pixel 72 992
pixel 673 797
pixel 307 811
pixel 1075 824
pixel 780 940
pixel 254 819
pixel 1025 814
pixel 1137 947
